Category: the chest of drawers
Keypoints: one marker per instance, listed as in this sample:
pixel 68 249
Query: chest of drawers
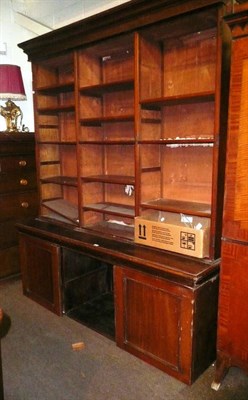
pixel 18 194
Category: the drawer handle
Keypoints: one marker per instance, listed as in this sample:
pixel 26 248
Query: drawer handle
pixel 22 163
pixel 23 182
pixel 24 204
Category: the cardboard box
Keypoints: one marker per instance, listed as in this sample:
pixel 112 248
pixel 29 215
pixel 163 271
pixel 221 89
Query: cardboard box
pixel 179 233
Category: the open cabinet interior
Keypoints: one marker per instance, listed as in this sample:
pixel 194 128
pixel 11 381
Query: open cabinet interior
pixel 56 138
pixel 88 291
pixel 178 123
pixel 107 135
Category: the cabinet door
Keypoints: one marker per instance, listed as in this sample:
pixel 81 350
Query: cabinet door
pixel 153 321
pixel 40 267
pixel 236 197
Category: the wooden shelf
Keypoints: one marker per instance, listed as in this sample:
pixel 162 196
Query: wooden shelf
pixel 179 206
pixel 99 90
pixel 158 102
pixel 58 142
pixel 61 180
pixel 179 141
pixel 98 121
pixel 108 142
pixel 150 169
pixel 116 179
pixel 63 208
pixel 113 229
pixel 48 126
pixel 56 109
pixel 111 208
pixel 54 162
pixel 56 89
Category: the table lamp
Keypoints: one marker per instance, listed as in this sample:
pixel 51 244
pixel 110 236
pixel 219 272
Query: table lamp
pixel 11 88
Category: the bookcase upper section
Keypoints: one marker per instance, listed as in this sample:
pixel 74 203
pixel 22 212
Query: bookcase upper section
pixel 130 114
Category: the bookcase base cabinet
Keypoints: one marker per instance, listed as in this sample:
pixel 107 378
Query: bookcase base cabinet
pixel 167 325
pixel 164 307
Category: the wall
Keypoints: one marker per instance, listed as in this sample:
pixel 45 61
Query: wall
pixel 14 29
pixel 12 34
pixel 56 13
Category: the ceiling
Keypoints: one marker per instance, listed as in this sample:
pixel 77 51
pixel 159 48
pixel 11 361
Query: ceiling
pixel 52 14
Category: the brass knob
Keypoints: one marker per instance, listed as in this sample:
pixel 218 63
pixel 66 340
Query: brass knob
pixel 23 182
pixel 22 163
pixel 24 204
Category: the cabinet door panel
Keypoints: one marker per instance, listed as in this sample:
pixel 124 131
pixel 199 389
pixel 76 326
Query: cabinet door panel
pixel 143 304
pixel 153 321
pixel 40 264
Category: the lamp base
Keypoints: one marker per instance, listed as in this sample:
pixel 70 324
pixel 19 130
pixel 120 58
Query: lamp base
pixel 12 114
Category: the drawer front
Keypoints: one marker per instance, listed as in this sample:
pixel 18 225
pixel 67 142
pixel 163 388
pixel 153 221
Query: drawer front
pixel 17 163
pixel 19 181
pixel 18 206
pixel 14 147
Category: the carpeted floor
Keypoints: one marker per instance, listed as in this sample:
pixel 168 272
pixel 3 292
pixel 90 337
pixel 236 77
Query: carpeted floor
pixel 40 364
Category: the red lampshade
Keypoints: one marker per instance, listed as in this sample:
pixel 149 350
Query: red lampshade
pixel 11 83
